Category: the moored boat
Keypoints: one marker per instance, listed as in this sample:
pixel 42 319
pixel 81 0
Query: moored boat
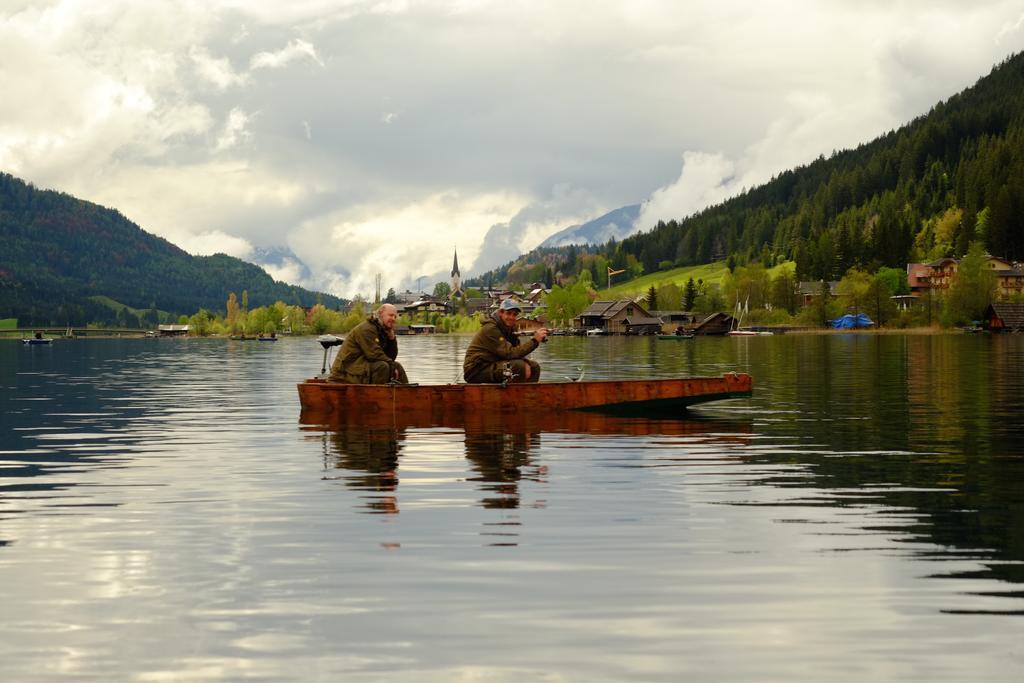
pixel 34 341
pixel 443 402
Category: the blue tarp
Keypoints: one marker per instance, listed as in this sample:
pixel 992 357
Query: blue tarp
pixel 851 322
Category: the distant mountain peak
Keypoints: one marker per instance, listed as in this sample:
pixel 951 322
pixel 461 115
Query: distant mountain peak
pixel 614 224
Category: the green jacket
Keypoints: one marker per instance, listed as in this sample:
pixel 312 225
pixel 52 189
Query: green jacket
pixel 368 342
pixel 493 343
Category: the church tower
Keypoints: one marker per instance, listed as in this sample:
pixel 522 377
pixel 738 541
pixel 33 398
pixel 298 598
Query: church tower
pixel 456 278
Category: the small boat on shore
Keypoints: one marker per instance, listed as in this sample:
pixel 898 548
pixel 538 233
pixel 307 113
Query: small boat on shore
pixel 438 404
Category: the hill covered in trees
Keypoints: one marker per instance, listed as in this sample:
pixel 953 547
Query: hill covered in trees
pixel 948 178
pixel 61 256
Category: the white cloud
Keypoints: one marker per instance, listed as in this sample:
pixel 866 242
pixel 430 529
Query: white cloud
pixel 216 242
pixel 197 119
pixel 401 242
pixel 235 130
pixel 296 49
pixel 706 179
pixel 216 70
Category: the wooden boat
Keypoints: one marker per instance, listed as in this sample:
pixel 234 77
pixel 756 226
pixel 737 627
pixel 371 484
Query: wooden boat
pixel 675 337
pixel 442 403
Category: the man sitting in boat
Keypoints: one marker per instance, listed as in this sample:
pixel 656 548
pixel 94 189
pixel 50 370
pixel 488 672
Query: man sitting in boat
pixel 368 354
pixel 497 354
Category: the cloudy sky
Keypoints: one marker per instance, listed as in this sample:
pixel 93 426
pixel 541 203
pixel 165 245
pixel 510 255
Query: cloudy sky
pixel 368 136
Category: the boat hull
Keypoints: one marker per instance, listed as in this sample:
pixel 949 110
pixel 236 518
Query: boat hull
pixel 443 403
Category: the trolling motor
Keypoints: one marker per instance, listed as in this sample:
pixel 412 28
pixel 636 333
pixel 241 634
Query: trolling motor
pixel 327 341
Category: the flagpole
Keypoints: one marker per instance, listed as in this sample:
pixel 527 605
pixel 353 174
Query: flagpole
pixel 613 272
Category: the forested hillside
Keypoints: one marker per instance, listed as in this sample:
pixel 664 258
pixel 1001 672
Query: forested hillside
pixel 947 178
pixel 56 251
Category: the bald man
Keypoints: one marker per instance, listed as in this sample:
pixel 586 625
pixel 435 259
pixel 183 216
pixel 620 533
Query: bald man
pixel 369 352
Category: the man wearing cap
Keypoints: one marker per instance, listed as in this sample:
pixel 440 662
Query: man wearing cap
pixel 369 352
pixel 496 354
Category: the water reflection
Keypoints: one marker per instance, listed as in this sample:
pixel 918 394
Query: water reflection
pixel 500 460
pixel 501 451
pixel 163 516
pixel 369 457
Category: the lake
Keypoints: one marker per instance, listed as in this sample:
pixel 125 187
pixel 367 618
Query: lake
pixel 164 515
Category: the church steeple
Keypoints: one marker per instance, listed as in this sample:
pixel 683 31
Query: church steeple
pixel 456 277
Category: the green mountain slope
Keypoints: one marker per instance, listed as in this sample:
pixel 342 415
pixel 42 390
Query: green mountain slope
pixel 57 251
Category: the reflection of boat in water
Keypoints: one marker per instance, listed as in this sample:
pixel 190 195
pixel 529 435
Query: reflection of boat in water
pixel 433 404
pixel 503 451
pixel 485 422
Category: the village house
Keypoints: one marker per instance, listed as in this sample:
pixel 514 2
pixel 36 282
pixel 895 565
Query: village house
pixel 426 305
pixel 939 275
pixel 715 324
pixel 623 316
pixel 529 325
pixel 672 320
pixel 808 290
pixel 1004 317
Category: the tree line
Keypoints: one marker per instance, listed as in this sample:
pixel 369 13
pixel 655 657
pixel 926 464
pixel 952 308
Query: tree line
pixel 59 252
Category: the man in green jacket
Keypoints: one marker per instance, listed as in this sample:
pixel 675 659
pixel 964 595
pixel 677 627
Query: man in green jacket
pixel 496 354
pixel 369 352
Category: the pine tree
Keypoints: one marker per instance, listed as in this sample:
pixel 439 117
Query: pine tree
pixel 689 295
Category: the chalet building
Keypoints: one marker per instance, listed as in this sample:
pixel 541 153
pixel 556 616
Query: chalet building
pixel 715 324
pixel 617 317
pixel 642 325
pixel 476 305
pixel 939 275
pixel 529 325
pixel 408 297
pixel 672 320
pixel 535 294
pixel 426 305
pixel 917 277
pixel 1009 277
pixel 499 294
pixel 1004 317
pixel 942 272
pixel 808 290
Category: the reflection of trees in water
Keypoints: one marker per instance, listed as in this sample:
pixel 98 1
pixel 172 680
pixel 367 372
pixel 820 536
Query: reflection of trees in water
pixel 502 460
pixel 370 457
pixel 931 424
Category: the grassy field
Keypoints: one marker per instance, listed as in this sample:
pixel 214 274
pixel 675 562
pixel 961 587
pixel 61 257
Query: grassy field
pixel 117 305
pixel 711 273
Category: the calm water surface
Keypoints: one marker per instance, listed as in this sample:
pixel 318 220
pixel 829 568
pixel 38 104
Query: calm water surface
pixel 165 516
